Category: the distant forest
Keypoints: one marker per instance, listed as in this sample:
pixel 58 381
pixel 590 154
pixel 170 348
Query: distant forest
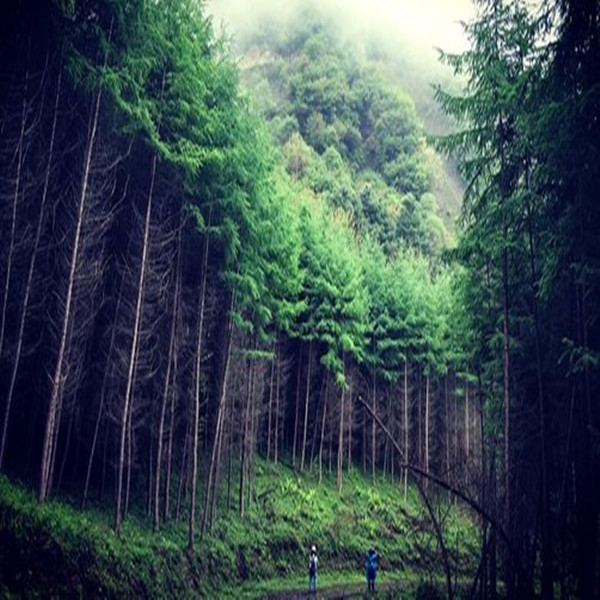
pixel 203 262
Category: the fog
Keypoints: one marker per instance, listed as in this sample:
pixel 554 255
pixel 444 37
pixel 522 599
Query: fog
pixel 420 26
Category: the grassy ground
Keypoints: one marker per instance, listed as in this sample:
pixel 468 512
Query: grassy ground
pixel 56 550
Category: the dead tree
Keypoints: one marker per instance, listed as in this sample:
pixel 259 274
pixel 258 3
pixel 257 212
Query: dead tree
pixel 31 270
pixel 87 218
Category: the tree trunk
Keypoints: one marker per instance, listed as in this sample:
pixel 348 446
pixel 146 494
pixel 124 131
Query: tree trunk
pixel 427 424
pixel 166 389
pixel 297 411
pixel 59 375
pixel 406 428
pixel 306 403
pixel 129 461
pixel 169 457
pixel 128 400
pixel 276 457
pixel 350 427
pixel 270 407
pixel 244 442
pixel 374 430
pixel 197 380
pixel 506 373
pixel 32 262
pixel 467 426
pixel 340 455
pixel 420 416
pixel 184 467
pixel 105 378
pixel 447 415
pixel 210 495
pixel 15 202
pixel 547 559
pixel 322 440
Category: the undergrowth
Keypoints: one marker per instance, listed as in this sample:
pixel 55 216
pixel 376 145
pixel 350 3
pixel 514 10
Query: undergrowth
pixel 54 549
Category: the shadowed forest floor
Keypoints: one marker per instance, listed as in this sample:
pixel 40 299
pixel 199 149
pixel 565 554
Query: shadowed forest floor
pixel 351 590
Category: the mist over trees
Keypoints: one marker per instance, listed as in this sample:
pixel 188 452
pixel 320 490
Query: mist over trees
pixel 203 263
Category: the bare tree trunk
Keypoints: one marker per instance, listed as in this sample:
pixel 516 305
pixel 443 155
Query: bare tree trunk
pixel 32 262
pixel 184 467
pixel 547 559
pixel 277 410
pixel 297 412
pixel 506 372
pixel 306 402
pixel 270 409
pixel 169 457
pixel 447 415
pixel 133 353
pixel 54 446
pixel 373 430
pixel 166 389
pixel 350 427
pixel 340 454
pixel 15 202
pixel 405 426
pixel 210 496
pixel 197 378
pixel 316 426
pixel 420 416
pixel 323 430
pixel 59 375
pixel 104 463
pixel 101 406
pixel 66 450
pixel 150 497
pixel 467 427
pixel 427 424
pixel 244 442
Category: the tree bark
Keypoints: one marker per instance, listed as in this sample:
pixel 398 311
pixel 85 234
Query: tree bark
pixel 166 388
pixel 297 411
pixel 427 424
pixel 374 430
pixel 406 428
pixel 340 455
pixel 57 379
pixel 133 353
pixel 32 263
pixel 211 481
pixel 197 380
pixel 306 404
pixel 15 202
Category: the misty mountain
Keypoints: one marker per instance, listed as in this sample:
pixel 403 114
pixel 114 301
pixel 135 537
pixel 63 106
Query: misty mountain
pixel 369 53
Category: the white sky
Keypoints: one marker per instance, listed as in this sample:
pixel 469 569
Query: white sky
pixel 424 24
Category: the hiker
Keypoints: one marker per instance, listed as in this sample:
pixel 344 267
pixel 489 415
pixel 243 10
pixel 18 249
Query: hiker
pixel 372 563
pixel 313 562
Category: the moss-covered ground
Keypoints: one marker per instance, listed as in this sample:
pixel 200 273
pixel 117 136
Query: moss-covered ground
pixel 56 550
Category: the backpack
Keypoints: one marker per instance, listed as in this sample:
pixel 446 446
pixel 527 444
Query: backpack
pixel 312 565
pixel 372 560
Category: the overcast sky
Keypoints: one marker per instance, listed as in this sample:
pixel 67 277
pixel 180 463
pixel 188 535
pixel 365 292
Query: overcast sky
pixel 422 24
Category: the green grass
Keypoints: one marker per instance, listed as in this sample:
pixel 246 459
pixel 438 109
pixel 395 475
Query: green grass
pixel 56 550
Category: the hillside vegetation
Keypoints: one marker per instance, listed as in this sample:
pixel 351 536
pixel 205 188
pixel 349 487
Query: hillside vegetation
pixel 54 549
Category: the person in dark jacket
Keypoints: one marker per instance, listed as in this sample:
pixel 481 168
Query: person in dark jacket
pixel 313 563
pixel 371 564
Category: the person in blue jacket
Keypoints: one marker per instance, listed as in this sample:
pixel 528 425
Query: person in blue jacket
pixel 372 564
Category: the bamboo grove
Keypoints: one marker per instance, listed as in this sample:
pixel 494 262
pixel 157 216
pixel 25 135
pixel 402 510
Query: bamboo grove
pixel 188 284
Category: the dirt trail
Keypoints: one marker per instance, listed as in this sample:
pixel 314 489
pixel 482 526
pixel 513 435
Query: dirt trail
pixel 356 591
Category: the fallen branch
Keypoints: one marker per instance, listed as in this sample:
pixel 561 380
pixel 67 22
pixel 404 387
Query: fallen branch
pixel 443 484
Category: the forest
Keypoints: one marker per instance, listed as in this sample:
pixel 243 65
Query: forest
pixel 256 294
